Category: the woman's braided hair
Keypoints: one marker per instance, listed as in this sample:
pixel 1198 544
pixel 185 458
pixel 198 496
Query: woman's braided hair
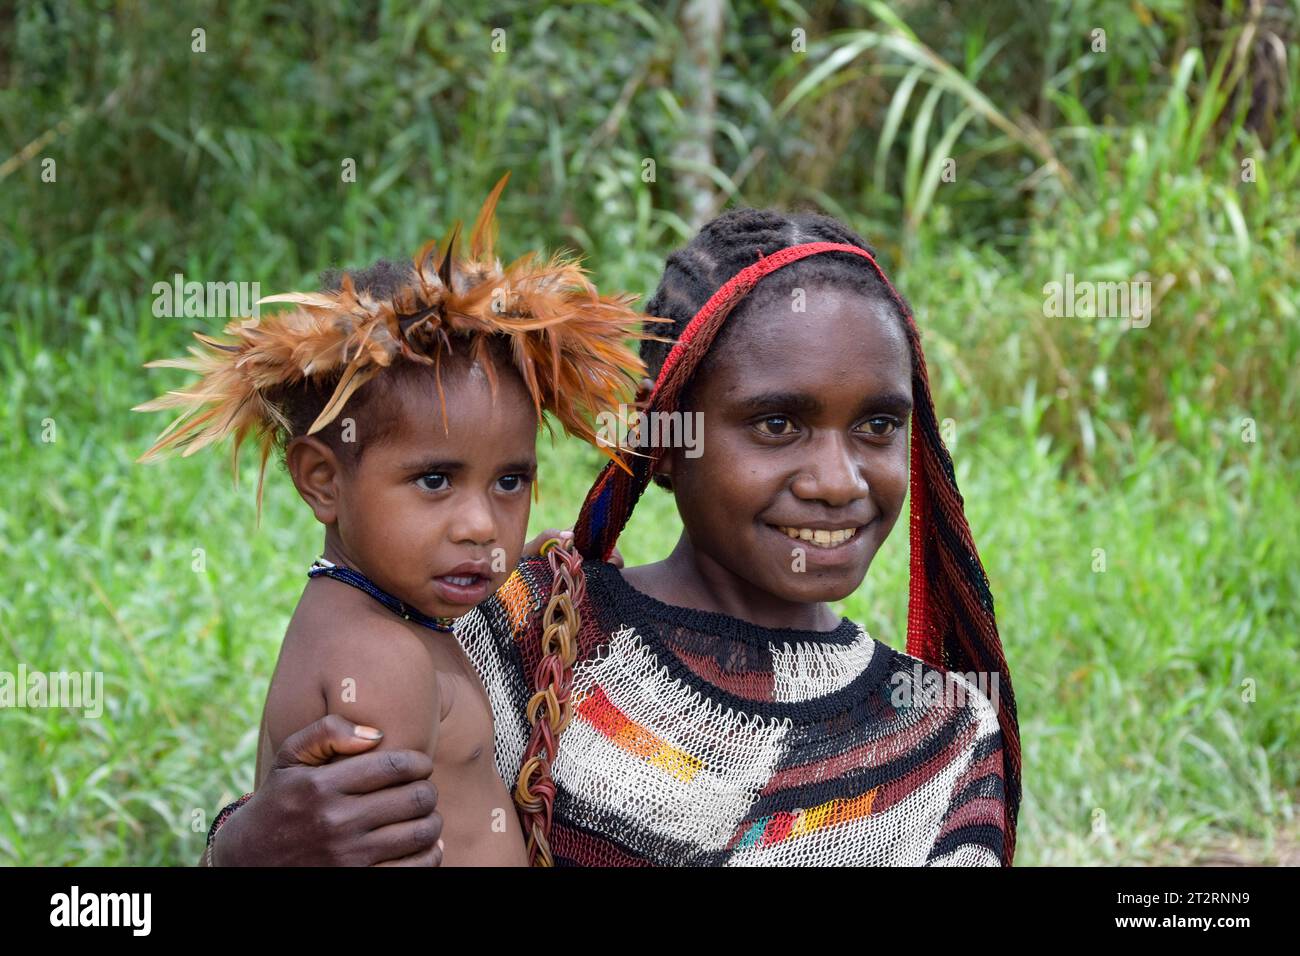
pixel 732 241
pixel 951 621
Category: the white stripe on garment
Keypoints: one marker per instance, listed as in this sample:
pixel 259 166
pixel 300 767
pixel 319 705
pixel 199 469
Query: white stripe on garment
pixel 806 671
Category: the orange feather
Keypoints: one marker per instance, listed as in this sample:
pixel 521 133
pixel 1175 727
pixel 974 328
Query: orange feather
pixel 568 342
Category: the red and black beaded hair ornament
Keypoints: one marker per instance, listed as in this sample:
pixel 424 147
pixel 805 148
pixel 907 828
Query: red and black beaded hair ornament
pixel 950 618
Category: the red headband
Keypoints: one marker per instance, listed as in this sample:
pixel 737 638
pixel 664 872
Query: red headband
pixel 739 285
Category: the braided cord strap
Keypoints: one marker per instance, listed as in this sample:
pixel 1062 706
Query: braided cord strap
pixel 550 709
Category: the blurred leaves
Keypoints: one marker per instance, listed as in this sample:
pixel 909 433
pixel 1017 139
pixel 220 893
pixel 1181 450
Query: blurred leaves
pixel 1076 433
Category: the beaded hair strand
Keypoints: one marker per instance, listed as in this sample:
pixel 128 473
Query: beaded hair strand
pixel 951 620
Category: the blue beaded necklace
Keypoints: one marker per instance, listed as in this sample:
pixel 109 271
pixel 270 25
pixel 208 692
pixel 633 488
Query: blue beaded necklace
pixel 358 580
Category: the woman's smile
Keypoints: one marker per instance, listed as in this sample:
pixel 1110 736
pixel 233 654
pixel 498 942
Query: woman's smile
pixel 820 537
pixel 841 546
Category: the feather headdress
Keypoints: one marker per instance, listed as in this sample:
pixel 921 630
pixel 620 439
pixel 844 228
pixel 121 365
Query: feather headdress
pixel 567 341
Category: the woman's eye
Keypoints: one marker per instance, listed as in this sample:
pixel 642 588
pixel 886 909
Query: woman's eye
pixel 776 426
pixel 512 482
pixel 434 482
pixel 881 427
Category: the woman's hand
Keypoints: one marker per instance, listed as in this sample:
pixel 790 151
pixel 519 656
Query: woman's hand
pixel 365 809
pixel 533 548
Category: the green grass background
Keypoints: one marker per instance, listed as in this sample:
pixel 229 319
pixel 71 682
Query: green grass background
pixel 1157 697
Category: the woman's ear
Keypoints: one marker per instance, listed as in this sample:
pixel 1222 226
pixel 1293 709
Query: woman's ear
pixel 662 475
pixel 644 388
pixel 315 470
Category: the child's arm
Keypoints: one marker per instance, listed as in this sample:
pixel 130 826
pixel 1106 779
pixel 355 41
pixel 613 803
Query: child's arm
pixel 373 671
pixel 382 675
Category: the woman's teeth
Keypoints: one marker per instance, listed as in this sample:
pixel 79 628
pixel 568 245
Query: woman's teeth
pixel 460 581
pixel 819 536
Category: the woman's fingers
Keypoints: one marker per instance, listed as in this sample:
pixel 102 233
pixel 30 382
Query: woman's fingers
pixel 362 829
pixel 413 801
pixel 533 548
pixel 429 857
pixel 325 797
pixel 321 741
pixel 368 773
pixel 409 843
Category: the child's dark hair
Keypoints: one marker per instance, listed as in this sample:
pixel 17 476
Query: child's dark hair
pixel 728 244
pixel 373 406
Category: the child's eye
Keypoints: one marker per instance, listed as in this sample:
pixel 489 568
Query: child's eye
pixel 882 426
pixel 432 482
pixel 513 482
pixel 776 426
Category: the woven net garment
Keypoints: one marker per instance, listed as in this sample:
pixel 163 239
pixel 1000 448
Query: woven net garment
pixel 701 740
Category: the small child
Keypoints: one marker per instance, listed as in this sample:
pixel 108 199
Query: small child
pixel 407 402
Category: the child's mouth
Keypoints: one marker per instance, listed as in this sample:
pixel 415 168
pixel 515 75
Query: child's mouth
pixel 463 587
pixel 463 581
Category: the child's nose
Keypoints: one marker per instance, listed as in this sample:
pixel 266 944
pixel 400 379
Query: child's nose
pixel 474 522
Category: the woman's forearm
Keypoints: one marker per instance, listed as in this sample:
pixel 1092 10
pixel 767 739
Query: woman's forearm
pixel 224 816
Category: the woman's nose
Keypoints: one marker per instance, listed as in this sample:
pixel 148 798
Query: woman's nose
pixel 833 474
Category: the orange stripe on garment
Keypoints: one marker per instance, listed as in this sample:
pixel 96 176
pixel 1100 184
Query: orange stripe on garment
pixel 516 599
pixel 598 710
pixel 779 827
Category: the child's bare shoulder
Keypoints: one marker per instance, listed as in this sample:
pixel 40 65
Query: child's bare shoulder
pixel 356 658
pixel 335 623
